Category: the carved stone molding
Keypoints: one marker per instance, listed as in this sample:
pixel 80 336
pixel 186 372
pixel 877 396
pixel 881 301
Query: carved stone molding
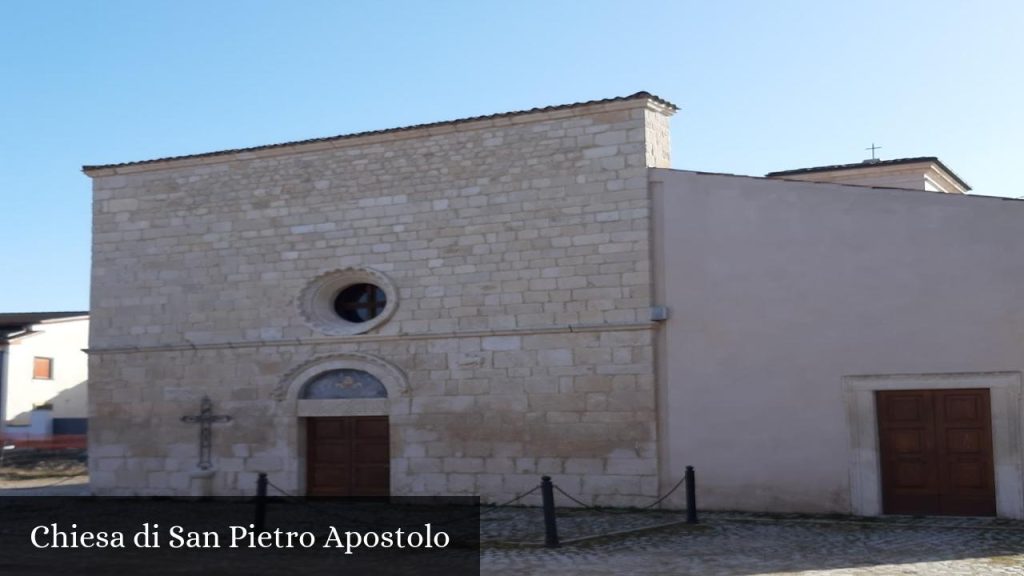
pixel 316 301
pixel 393 379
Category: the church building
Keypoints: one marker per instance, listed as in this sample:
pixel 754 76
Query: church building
pixel 462 307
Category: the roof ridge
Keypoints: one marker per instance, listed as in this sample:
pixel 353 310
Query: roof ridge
pixel 635 96
pixel 870 164
pixel 861 164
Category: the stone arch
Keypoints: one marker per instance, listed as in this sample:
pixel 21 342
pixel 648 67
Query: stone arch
pixel 342 384
pixel 391 377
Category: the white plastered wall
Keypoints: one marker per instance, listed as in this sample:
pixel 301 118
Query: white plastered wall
pixel 63 341
pixel 778 291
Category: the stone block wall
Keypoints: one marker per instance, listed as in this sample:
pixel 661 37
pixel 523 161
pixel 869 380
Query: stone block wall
pixel 519 247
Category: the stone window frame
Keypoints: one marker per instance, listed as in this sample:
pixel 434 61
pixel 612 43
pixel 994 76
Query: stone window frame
pixel 316 301
pixel 1006 413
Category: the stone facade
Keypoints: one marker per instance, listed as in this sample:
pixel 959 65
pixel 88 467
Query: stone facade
pixel 520 343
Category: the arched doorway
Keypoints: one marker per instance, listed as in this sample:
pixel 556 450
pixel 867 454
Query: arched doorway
pixel 347 455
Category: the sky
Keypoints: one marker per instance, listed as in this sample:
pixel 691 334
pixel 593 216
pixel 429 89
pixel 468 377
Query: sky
pixel 761 86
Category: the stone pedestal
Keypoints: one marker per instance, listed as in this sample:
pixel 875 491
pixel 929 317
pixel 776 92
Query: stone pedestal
pixel 201 483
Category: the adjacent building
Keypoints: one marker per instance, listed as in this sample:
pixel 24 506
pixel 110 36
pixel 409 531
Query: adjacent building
pixel 43 374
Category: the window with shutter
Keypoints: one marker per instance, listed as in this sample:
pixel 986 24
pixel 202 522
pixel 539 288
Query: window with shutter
pixel 42 369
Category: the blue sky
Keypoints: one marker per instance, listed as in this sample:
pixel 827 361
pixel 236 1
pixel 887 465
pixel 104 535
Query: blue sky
pixel 762 86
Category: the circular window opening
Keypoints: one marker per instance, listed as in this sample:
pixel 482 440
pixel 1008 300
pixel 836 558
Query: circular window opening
pixel 348 301
pixel 360 302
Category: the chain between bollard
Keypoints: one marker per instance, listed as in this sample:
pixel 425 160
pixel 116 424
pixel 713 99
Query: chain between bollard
pixel 300 500
pixel 548 489
pixel 689 479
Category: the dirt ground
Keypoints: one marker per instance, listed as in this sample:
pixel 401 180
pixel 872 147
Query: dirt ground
pixel 44 473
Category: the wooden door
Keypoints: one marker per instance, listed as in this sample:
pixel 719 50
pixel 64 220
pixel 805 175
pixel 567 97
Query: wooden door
pixel 936 452
pixel 348 456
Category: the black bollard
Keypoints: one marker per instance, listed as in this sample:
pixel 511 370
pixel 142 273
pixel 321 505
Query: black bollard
pixel 547 494
pixel 261 502
pixel 691 496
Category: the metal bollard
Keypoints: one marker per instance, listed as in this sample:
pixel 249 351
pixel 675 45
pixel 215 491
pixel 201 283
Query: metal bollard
pixel 261 502
pixel 691 496
pixel 547 493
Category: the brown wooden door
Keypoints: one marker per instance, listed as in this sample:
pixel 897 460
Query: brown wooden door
pixel 936 452
pixel 348 456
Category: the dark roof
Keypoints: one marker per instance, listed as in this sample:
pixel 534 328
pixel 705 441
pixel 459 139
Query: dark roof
pixel 869 164
pixel 14 322
pixel 637 96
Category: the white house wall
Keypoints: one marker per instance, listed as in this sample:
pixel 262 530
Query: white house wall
pixel 63 341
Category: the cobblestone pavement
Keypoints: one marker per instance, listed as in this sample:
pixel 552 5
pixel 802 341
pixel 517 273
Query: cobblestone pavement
pixel 748 544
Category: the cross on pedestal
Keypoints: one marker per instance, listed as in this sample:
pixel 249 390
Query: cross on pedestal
pixel 205 418
pixel 873 148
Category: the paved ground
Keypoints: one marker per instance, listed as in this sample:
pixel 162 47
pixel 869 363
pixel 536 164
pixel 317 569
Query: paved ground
pixel 730 544
pixel 744 544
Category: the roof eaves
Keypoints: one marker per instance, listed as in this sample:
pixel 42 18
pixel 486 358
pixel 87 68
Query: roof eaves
pixel 859 186
pixel 16 318
pixel 8 337
pixel 446 123
pixel 852 166
pixel 861 165
pixel 74 318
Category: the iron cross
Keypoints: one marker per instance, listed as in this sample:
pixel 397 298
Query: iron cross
pixel 873 148
pixel 205 418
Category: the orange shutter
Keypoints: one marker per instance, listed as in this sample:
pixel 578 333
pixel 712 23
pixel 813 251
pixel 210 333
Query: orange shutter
pixel 42 369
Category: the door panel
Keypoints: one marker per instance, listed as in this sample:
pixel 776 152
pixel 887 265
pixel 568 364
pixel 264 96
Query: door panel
pixel 936 452
pixel 965 446
pixel 348 456
pixel 910 478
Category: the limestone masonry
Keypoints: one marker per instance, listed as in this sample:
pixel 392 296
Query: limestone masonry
pixel 518 247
